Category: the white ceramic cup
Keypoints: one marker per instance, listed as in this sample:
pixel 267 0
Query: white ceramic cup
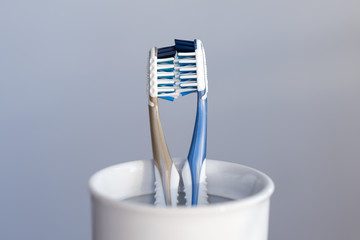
pixel 244 218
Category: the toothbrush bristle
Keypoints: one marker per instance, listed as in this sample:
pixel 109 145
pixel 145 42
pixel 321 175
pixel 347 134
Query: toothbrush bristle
pixel 187 66
pixel 186 93
pixel 168 98
pixel 176 70
pixel 166 52
pixel 184 45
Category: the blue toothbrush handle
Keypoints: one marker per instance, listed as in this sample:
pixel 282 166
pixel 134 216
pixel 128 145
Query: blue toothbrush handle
pixel 197 153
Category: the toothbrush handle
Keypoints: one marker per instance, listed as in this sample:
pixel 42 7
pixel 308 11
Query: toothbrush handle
pixel 161 155
pixel 197 153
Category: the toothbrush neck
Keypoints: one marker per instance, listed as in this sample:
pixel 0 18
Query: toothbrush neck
pixel 198 144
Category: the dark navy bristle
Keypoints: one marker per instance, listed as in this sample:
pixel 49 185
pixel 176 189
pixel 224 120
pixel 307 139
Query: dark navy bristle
pixel 184 48
pixel 166 49
pixel 186 93
pixel 168 98
pixel 184 45
pixel 184 42
pixel 166 54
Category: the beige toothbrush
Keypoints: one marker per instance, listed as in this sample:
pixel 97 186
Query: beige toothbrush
pixel 166 175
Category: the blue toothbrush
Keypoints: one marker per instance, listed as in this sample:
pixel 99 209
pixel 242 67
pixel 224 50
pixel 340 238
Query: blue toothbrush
pixel 193 78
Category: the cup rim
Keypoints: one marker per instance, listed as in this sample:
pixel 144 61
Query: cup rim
pixel 229 206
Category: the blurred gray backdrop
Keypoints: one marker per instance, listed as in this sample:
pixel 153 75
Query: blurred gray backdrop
pixel 284 96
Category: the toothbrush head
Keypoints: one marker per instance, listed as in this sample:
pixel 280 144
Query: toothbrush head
pixel 162 82
pixel 191 67
pixel 177 70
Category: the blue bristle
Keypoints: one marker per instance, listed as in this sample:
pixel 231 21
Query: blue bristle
pixel 186 57
pixel 168 98
pixel 186 93
pixel 188 79
pixel 187 64
pixel 189 87
pixel 165 91
pixel 166 70
pixel 166 77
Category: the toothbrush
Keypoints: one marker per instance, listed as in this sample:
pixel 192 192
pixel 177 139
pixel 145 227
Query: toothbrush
pixel 174 71
pixel 193 78
pixel 161 85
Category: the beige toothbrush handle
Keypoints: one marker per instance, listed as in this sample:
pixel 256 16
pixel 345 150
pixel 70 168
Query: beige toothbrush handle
pixel 162 158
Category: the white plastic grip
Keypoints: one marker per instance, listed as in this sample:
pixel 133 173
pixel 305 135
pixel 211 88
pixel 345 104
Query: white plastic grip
pixel 153 73
pixel 200 66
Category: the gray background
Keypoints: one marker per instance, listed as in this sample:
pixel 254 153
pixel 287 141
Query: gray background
pixel 284 80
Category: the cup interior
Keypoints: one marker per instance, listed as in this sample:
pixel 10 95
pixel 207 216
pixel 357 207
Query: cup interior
pixel 224 179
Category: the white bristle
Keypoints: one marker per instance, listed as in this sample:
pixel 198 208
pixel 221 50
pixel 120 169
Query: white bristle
pixel 187 76
pixel 165 81
pixel 201 67
pixel 187 90
pixel 161 60
pixel 165 66
pixel 187 61
pixel 174 94
pixel 165 89
pixel 187 69
pixel 188 84
pixel 165 74
pixel 186 54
